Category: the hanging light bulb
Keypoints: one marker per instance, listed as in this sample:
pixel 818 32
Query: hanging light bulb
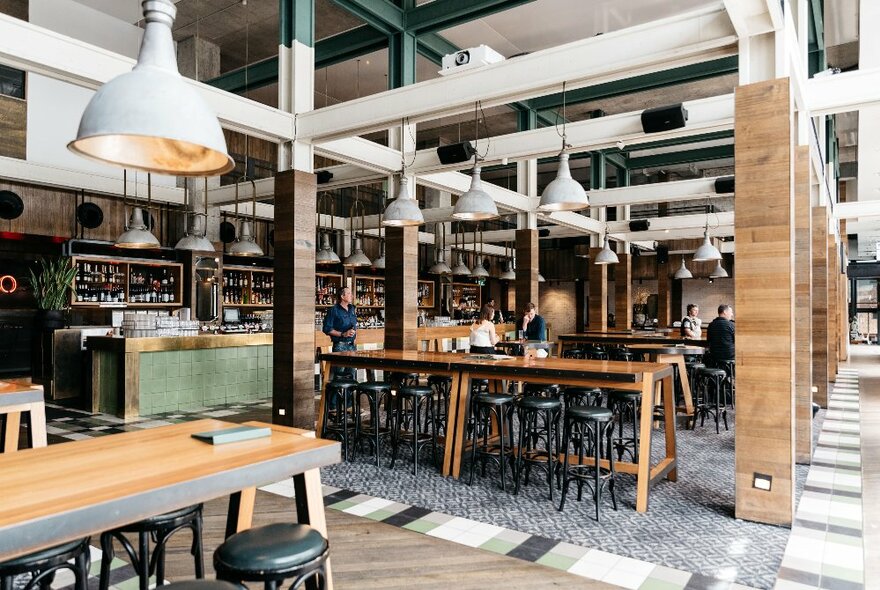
pixel 475 204
pixel 357 256
pixel 564 193
pixel 136 234
pixel 326 254
pixel 245 243
pixel 404 210
pixel 706 251
pixel 461 269
pixel 683 272
pixel 195 238
pixel 606 255
pixel 718 272
pixel 479 271
pixel 440 267
pixel 151 118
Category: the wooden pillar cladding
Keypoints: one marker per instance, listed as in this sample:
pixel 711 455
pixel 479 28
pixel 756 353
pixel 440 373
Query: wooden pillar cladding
pixel 597 312
pixel 623 292
pixel 293 374
pixel 764 294
pixel 820 323
pixel 664 296
pixel 803 277
pixel 833 306
pixel 843 291
pixel 401 296
pixel 526 268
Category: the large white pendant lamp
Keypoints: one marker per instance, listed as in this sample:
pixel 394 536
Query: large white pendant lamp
pixel 718 272
pixel 404 210
pixel 151 118
pixel 245 243
pixel 357 257
pixel 564 193
pixel 509 274
pixel 326 255
pixel 606 255
pixel 683 272
pixel 706 251
pixel 461 269
pixel 195 238
pixel 136 234
pixel 475 204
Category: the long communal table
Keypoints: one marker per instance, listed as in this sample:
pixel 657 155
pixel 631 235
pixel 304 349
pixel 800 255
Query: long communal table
pixel 625 338
pixel 646 378
pixel 673 355
pixel 73 490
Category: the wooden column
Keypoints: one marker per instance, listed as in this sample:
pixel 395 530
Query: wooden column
pixel 580 310
pixel 526 268
pixel 401 293
pixel 764 284
pixel 833 306
pixel 803 303
pixel 293 373
pixel 664 295
pixel 820 322
pixel 623 309
pixel 597 312
pixel 843 292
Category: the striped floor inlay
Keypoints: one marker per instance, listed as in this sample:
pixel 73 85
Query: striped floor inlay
pixel 825 548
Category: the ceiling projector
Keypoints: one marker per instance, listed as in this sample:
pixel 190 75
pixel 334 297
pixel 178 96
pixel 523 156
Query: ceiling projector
pixel 467 59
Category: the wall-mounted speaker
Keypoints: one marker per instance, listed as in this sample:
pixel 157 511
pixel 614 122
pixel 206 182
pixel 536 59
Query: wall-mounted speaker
pixel 725 185
pixel 227 232
pixel 455 153
pixel 324 176
pixel 639 225
pixel 89 215
pixel 662 254
pixel 11 205
pixel 664 118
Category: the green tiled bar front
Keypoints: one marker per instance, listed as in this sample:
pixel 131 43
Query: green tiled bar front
pixel 186 379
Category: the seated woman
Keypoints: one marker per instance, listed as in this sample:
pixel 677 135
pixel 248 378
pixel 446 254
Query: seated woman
pixel 483 337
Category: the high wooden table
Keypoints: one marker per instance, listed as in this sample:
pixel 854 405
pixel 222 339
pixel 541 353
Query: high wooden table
pixel 673 355
pixel 69 491
pixel 18 397
pixel 624 338
pixel 645 378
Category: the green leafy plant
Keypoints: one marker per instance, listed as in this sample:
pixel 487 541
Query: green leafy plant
pixel 54 283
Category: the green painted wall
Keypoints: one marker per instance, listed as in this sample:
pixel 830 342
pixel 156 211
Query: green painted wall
pixel 183 380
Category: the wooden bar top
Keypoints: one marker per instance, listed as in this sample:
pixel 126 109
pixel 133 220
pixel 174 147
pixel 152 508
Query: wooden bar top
pixel 661 348
pixel 169 343
pixel 627 338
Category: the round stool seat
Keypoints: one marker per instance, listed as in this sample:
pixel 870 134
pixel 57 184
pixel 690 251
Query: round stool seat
pixel 164 518
pixel 374 386
pixel 43 555
pixel 540 388
pixel 480 382
pixel 416 391
pixel 539 403
pixel 494 399
pixel 202 585
pixel 404 376
pixel 590 413
pixel 273 548
pixel 625 396
pixel 710 372
pixel 695 366
pixel 582 391
pixel 342 383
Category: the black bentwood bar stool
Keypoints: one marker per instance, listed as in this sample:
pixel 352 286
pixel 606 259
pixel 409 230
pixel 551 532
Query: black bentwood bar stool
pixel 272 554
pixel 590 428
pixel 411 402
pixel 42 566
pixel 339 424
pixel 485 407
pixel 538 422
pixel 377 394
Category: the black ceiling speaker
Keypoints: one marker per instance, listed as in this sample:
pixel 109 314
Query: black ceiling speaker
pixel 11 205
pixel 227 232
pixel 455 153
pixel 324 176
pixel 662 254
pixel 639 225
pixel 725 185
pixel 89 215
pixel 664 118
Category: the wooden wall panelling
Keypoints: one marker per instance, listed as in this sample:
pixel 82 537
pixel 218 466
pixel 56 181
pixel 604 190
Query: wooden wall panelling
pixel 764 295
pixel 843 326
pixel 527 268
pixel 401 295
pixel 803 303
pixel 13 127
pixel 819 299
pixel 664 296
pixel 293 376
pixel 833 306
pixel 623 315
pixel 597 311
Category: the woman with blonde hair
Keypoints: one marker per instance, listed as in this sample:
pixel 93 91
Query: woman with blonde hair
pixel 483 337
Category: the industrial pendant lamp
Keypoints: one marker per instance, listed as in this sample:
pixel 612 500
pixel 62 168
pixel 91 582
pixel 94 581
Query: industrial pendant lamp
pixel 357 256
pixel 564 193
pixel 683 272
pixel 461 269
pixel 606 255
pixel 245 244
pixel 475 204
pixel 326 254
pixel 404 210
pixel 440 267
pixel 718 272
pixel 509 273
pixel 706 251
pixel 479 271
pixel 197 228
pixel 151 118
pixel 136 234
pixel 379 263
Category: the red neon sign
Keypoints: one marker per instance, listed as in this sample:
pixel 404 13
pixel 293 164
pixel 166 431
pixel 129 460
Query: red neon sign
pixel 8 284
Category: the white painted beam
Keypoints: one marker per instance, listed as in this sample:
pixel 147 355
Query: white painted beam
pixel 841 93
pixel 660 192
pixel 673 234
pixel 857 209
pixel 677 222
pixel 264 211
pixel 750 17
pixel 458 183
pixel 694 37
pixel 362 152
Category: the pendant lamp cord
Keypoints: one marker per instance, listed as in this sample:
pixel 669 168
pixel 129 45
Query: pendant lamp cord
pixel 564 120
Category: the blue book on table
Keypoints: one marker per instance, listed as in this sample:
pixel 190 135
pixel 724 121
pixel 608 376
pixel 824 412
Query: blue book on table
pixel 228 435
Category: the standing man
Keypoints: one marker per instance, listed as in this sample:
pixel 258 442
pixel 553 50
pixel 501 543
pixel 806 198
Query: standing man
pixel 720 334
pixel 340 324
pixel 691 325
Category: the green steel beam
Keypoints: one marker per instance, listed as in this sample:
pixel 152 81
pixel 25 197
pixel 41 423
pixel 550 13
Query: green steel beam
pixel 401 59
pixel 296 20
pixel 434 47
pixel 382 15
pixel 443 14
pixel 652 81
pixel 684 140
pixel 597 170
pixel 817 19
pixel 616 159
pixel 718 152
pixel 526 118
pixel 253 76
pixel 816 38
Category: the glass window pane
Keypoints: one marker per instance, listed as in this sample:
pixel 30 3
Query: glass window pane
pixel 867 291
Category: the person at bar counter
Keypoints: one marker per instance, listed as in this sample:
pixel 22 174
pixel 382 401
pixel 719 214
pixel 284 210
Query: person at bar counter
pixel 720 335
pixel 340 324
pixel 497 316
pixel 461 311
pixel 691 325
pixel 533 325
pixel 483 337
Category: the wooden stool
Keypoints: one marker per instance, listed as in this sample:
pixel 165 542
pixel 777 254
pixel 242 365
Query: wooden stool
pixel 19 397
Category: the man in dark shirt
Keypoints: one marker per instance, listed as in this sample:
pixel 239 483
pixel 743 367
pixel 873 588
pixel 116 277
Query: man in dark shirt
pixel 532 325
pixel 340 324
pixel 720 334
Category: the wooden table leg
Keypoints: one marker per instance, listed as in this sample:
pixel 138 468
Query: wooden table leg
pixel 669 415
pixel 37 425
pixel 451 424
pixel 461 411
pixel 685 385
pixel 10 436
pixel 241 511
pixel 643 477
pixel 310 508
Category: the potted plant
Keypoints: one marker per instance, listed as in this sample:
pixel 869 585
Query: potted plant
pixel 52 288
pixel 640 306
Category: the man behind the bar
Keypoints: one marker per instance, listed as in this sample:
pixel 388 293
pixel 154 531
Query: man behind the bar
pixel 340 324
pixel 721 335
